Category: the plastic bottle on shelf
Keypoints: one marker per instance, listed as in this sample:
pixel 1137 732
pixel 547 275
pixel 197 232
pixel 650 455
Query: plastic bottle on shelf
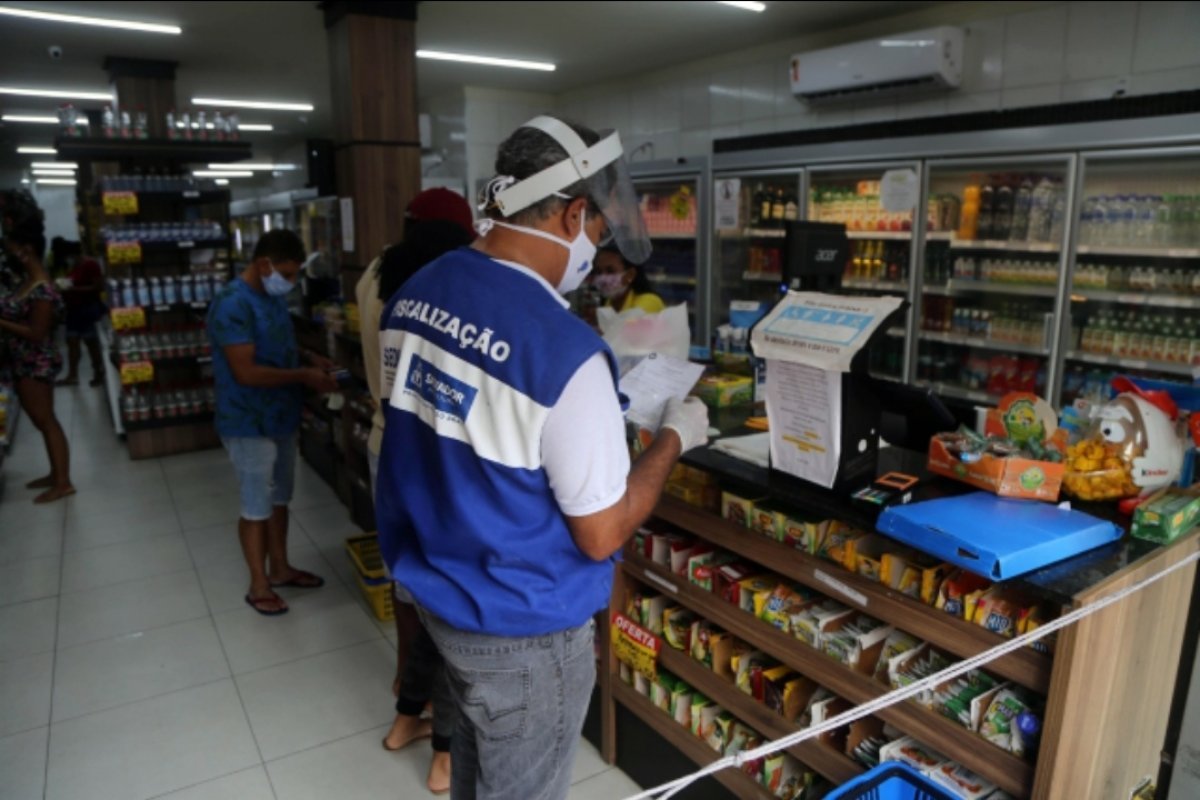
pixel 987 198
pixel 172 132
pixel 232 122
pixel 141 127
pixel 108 123
pixel 126 121
pixel 219 127
pixel 968 219
pixel 170 289
pixel 1002 214
pixel 1022 210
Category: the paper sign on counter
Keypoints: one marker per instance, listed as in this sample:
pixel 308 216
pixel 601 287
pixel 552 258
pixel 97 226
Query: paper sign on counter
pixel 804 404
pixel 821 330
pixel 654 381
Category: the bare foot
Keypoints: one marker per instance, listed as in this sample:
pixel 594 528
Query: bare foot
pixel 57 493
pixel 41 483
pixel 439 773
pixel 406 730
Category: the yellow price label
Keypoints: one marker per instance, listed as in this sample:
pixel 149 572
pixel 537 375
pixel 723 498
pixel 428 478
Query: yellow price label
pixel 634 645
pixel 119 202
pixel 136 372
pixel 127 319
pixel 124 252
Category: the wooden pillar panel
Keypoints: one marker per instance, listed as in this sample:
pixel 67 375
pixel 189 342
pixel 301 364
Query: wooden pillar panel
pixel 382 179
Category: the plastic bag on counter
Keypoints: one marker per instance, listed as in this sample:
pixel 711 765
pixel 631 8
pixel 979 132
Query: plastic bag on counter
pixel 634 334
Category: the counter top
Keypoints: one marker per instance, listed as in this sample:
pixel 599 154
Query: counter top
pixel 1059 582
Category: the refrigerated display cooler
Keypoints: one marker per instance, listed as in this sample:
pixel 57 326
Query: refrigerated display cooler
pixel 1049 258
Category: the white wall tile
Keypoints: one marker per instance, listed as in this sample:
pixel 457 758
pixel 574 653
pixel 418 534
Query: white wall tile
pixel 833 117
pixel 1098 89
pixel 617 113
pixel 725 95
pixel 758 90
pixel 1168 36
pixel 666 145
pixel 1031 96
pixel 923 107
pixel 983 55
pixel 875 112
pixel 668 104
pixel 641 119
pixel 962 103
pixel 785 101
pixel 1033 47
pixel 758 126
pixel 795 122
pixel 1169 80
pixel 696 103
pixel 695 143
pixel 1099 39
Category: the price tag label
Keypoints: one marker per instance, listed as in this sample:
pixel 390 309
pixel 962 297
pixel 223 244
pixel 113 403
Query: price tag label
pixel 124 252
pixel 634 645
pixel 127 319
pixel 136 372
pixel 119 202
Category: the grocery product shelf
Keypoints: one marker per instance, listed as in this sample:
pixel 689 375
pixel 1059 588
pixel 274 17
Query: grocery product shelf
pixel 982 344
pixel 88 149
pixel 954 288
pixel 881 236
pixel 675 236
pixel 175 361
pixel 939 236
pixel 1136 298
pixel 960 393
pixel 763 277
pixel 1007 246
pixel 1006 770
pixel 836 766
pixel 1138 252
pixel 753 233
pixel 182 244
pixel 1028 668
pixel 168 422
pixel 736 781
pixel 875 286
pixel 199 196
pixel 671 280
pixel 1122 362
pixel 112 379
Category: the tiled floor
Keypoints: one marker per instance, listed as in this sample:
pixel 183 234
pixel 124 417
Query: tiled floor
pixel 130 668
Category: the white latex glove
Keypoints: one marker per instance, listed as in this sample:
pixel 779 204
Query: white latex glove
pixel 689 419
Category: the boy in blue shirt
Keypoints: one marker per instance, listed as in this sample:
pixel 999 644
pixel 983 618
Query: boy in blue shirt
pixel 259 392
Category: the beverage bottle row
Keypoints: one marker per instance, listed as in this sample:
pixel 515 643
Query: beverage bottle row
pixel 165 290
pixel 765 259
pixel 189 125
pixel 1005 270
pixel 1015 208
pixel 153 183
pixel 1012 323
pixel 195 230
pixel 857 207
pixel 142 406
pixel 1130 334
pixel 770 207
pixel 121 124
pixel 996 375
pixel 187 343
pixel 872 260
pixel 887 357
pixel 1142 221
pixel 1160 280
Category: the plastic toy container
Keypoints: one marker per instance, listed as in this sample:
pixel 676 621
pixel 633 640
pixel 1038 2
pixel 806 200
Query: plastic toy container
pixel 890 781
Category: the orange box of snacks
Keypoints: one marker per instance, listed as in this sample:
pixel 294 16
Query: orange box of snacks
pixel 1007 476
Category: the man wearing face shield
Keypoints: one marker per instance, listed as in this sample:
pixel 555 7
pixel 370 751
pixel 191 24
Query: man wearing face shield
pixel 505 486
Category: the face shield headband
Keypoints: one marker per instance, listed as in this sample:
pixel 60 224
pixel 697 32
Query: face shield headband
pixel 602 168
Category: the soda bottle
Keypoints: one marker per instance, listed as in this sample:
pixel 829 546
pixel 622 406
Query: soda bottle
pixel 126 125
pixel 1002 214
pixel 232 126
pixel 987 196
pixel 1022 208
pixel 141 128
pixel 171 132
pixel 108 123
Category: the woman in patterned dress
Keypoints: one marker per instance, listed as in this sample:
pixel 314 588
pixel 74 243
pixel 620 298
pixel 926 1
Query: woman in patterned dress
pixel 28 316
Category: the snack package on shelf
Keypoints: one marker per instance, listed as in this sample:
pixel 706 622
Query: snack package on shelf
pixel 961 782
pixel 752 589
pixel 911 573
pixel 802 534
pixel 865 739
pixel 768 521
pixel 737 509
pixel 966 699
pixel 785 777
pixel 706 637
pixel 908 750
pixel 701 567
pixel 748 669
pixel 999 610
pixel 999 725
pixel 787 694
pixel 677 627
pixel 831 544
pixel 897 644
pixel 681 703
pixel 1166 514
pixel 663 545
pixel 782 604
pixel 856 642
pixel 714 726
pixel 1033 618
pixel 959 592
pixel 864 555
pixel 682 554
pixel 727 580
pixel 646 609
pixel 641 684
pixel 662 689
pixel 812 622
pixel 699 703
pixel 908 668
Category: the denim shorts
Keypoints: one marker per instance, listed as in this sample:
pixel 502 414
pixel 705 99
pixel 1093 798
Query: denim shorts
pixel 266 472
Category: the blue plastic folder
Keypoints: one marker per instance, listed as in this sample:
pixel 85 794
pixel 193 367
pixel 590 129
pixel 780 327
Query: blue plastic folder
pixel 996 537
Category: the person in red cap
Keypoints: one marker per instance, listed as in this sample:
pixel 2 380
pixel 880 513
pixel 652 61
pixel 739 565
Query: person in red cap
pixel 435 222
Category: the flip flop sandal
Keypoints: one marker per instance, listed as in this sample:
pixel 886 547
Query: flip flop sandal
pixel 303 580
pixel 51 496
pixel 40 483
pixel 256 604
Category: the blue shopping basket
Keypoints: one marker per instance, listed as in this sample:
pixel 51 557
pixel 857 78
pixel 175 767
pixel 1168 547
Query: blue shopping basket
pixel 890 781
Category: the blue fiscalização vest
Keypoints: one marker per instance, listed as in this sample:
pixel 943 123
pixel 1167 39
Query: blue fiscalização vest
pixel 476 353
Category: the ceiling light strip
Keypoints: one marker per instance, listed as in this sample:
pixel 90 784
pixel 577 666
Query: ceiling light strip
pixel 488 61
pixel 255 167
pixel 57 181
pixel 98 22
pixel 758 8
pixel 54 165
pixel 264 105
pixel 33 150
pixel 56 94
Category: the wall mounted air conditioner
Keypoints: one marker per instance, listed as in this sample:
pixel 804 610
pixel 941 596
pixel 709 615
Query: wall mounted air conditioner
pixel 905 63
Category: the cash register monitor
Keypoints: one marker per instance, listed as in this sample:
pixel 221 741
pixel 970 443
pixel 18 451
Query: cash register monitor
pixel 911 415
pixel 814 256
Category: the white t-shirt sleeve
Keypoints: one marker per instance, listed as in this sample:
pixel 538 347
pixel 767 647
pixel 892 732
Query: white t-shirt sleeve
pixel 583 443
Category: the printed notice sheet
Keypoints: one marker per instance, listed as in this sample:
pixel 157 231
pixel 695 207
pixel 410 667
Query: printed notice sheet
pixel 654 381
pixel 805 407
pixel 821 330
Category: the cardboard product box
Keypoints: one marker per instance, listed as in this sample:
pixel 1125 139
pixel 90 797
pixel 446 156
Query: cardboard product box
pixel 861 731
pixel 813 622
pixel 726 654
pixel 663 545
pixel 902 670
pixel 965 700
pixel 737 509
pixel 753 592
pixel 1166 514
pixel 856 642
pixel 826 709
pixel 714 723
pixel 723 391
pixel 727 580
pixel 801 533
pixel 908 750
pixel 681 703
pixel 661 689
pixel 705 637
pixel 677 627
pixel 832 543
pixel 961 782
pixel 897 643
pixel 909 572
pixel 864 555
pixel 786 692
pixel 1013 476
pixel 782 604
pixel 699 476
pixel 702 567
pixel 641 684
pixel 682 553
pixel 748 669
pixel 767 520
pixel 690 493
pixel 699 703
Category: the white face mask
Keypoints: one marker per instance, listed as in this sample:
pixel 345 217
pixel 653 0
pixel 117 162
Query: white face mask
pixel 610 286
pixel 581 252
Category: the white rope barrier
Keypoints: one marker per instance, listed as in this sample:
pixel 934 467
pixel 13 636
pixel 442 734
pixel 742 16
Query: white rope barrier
pixel 672 788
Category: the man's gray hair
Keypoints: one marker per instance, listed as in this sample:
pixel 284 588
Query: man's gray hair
pixel 527 152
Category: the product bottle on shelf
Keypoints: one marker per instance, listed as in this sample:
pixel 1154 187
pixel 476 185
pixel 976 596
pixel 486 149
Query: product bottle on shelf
pixel 1002 213
pixel 987 196
pixel 141 129
pixel 778 208
pixel 232 122
pixel 108 123
pixel 201 125
pixel 764 206
pixel 126 125
pixel 1022 208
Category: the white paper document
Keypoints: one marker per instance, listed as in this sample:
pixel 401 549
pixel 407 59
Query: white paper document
pixel 821 330
pixel 727 206
pixel 654 381
pixel 804 405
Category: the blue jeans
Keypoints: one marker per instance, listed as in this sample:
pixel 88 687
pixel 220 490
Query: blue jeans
pixel 521 706
pixel 266 472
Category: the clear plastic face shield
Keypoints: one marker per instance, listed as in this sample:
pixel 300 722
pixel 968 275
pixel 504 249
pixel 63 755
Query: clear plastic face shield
pixel 602 167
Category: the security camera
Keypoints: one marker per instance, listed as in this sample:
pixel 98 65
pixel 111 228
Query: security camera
pixel 55 52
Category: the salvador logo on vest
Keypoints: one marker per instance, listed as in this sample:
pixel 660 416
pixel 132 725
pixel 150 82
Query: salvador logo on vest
pixel 447 395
